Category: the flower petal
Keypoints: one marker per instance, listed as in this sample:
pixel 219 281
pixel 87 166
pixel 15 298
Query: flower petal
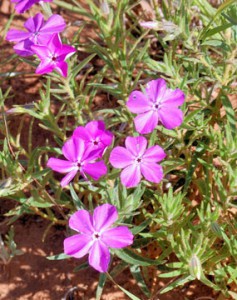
pixel 131 176
pixel 155 89
pixel 81 221
pixel 99 256
pixel 154 154
pixel 54 24
pixel 78 245
pixel 96 169
pixel 82 132
pixel 60 165
pixel 170 117
pixel 104 216
pixel 152 172
pixel 44 67
pixel 14 35
pixel 94 126
pixel 118 237
pixel 62 68
pixel 138 103
pixel 146 123
pixel 73 149
pixel 66 179
pixel 23 48
pixel 136 145
pixel 34 24
pixel 120 157
pixel 42 52
pixel 173 97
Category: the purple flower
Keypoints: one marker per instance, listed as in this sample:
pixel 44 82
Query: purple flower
pixel 95 135
pixel 79 159
pixel 137 161
pixel 23 5
pixel 39 32
pixel 53 56
pixel 157 104
pixel 96 236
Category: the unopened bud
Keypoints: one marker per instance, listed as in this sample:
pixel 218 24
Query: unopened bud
pixel 195 267
pixel 105 7
pixel 150 25
pixel 216 229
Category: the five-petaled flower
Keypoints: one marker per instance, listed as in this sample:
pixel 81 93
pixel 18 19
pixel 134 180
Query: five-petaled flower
pixel 38 32
pixel 95 135
pixel 136 160
pixel 157 104
pixel 79 159
pixel 53 56
pixel 96 236
pixel 23 5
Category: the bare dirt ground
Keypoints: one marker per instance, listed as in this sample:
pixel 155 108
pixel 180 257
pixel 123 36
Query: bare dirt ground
pixel 31 276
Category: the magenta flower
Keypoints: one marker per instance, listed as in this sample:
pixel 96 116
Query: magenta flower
pixel 95 135
pixel 23 5
pixel 39 32
pixel 79 159
pixel 53 56
pixel 158 104
pixel 96 236
pixel 137 161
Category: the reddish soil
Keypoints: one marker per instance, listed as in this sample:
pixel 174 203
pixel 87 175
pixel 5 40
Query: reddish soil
pixel 31 276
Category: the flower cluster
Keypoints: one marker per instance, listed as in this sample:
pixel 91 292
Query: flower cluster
pixel 83 152
pixel 42 38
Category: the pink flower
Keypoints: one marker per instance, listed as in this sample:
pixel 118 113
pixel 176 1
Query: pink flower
pixel 79 159
pixel 39 32
pixel 23 5
pixel 95 135
pixel 137 161
pixel 53 56
pixel 157 104
pixel 96 236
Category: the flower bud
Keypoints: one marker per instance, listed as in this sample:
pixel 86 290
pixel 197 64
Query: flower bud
pixel 195 267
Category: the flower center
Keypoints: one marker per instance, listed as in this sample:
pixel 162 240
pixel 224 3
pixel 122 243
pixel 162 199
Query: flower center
pixel 138 160
pixel 95 143
pixel 79 165
pixel 96 236
pixel 156 106
pixel 54 58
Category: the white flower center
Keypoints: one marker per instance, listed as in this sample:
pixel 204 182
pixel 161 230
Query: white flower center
pixel 156 106
pixel 96 236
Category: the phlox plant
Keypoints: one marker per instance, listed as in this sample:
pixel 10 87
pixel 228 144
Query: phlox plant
pixel 135 148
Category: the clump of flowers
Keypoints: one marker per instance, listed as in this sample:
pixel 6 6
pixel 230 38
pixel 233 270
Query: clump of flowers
pixel 157 104
pixel 96 236
pixel 79 159
pixel 83 152
pixel 42 39
pixel 39 32
pixel 137 161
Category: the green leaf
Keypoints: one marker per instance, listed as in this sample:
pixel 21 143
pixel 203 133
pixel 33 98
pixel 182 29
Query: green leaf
pixel 136 272
pixel 230 114
pixel 100 286
pixel 134 259
pixel 204 32
pixel 180 281
pixel 58 256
